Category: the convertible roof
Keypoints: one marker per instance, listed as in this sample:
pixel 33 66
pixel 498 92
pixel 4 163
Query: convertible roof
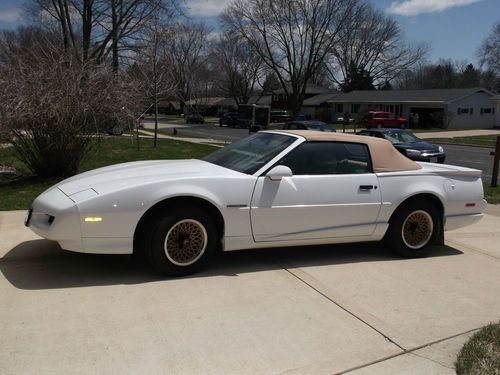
pixel 385 157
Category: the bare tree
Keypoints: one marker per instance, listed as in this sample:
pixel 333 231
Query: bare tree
pixel 371 49
pixel 98 29
pixel 186 57
pixel 489 51
pixel 291 37
pixel 151 69
pixel 240 66
pixel 52 104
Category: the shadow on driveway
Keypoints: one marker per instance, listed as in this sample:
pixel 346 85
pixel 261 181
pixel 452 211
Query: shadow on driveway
pixel 41 264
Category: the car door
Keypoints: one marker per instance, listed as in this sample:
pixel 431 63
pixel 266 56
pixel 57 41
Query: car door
pixel 332 193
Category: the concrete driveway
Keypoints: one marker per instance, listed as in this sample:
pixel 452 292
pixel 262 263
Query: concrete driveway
pixel 309 310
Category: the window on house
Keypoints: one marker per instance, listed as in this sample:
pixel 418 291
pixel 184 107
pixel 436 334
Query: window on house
pixel 471 111
pixel 339 108
pixel 486 111
pixel 462 111
pixel 355 108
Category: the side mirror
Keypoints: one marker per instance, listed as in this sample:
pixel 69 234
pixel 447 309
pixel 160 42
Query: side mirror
pixel 278 172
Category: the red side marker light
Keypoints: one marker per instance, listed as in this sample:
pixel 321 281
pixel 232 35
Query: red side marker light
pixel 470 205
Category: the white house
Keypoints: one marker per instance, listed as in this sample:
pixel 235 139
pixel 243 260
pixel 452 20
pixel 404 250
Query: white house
pixel 452 108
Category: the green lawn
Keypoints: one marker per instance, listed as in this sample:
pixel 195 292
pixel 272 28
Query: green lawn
pixel 18 194
pixel 478 140
pixel 481 354
pixel 492 194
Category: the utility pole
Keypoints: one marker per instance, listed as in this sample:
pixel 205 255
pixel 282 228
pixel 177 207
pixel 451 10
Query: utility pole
pixel 496 162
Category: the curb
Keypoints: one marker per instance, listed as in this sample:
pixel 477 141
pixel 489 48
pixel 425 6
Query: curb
pixel 457 144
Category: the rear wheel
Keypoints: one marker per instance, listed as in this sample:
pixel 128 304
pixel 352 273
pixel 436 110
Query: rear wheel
pixel 182 242
pixel 414 228
pixel 379 125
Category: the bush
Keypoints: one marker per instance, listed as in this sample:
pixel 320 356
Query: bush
pixel 53 106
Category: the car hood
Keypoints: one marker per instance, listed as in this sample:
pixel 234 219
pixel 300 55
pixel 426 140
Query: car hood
pixel 119 176
pixel 421 146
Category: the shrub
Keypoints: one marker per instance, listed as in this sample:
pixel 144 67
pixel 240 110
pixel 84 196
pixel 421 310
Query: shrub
pixel 54 106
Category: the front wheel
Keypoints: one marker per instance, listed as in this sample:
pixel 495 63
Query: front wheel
pixel 182 242
pixel 414 228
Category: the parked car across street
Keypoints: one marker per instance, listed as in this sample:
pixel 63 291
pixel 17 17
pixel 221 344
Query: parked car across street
pixel 230 119
pixel 383 120
pixel 409 144
pixel 308 125
pixel 194 118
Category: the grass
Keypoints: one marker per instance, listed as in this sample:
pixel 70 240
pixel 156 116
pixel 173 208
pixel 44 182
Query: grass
pixel 481 354
pixel 477 140
pixel 19 193
pixel 492 194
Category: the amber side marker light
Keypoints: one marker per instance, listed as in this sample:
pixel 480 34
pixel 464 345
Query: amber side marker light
pixel 93 219
pixel 470 205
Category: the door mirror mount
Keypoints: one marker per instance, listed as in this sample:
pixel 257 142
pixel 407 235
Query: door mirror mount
pixel 278 172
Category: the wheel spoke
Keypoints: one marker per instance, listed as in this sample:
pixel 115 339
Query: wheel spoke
pixel 417 229
pixel 185 242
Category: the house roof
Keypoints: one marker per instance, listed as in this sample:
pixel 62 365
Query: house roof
pixel 402 96
pixel 207 101
pixel 320 98
pixel 255 99
pixel 310 89
pixel 385 157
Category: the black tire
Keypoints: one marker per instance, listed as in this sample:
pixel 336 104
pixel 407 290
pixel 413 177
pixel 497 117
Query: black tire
pixel 414 228
pixel 404 125
pixel 379 125
pixel 183 224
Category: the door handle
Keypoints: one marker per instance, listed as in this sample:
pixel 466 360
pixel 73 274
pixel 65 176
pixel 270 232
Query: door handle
pixel 366 187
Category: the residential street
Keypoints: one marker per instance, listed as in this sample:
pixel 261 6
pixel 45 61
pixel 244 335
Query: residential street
pixel 471 157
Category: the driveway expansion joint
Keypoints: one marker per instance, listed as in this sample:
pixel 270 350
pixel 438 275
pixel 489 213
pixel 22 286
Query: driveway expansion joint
pixel 410 351
pixel 344 309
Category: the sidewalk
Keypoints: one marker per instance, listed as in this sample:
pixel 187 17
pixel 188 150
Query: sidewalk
pixel 459 133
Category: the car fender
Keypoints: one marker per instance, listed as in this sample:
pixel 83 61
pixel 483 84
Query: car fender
pixel 398 189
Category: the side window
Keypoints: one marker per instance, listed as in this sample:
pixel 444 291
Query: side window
pixel 320 158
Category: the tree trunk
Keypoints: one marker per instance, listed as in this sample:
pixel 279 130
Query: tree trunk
pixel 114 36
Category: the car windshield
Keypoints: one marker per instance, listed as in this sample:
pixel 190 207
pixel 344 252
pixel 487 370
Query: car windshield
pixel 401 136
pixel 251 153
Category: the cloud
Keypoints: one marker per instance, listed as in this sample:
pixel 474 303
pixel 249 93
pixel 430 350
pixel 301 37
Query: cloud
pixel 416 7
pixel 10 14
pixel 206 8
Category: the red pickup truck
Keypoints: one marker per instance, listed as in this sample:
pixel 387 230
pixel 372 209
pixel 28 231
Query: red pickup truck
pixel 383 120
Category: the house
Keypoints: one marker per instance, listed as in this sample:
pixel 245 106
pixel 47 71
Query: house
pixel 496 110
pixel 452 108
pixel 279 100
pixel 229 104
pixel 318 106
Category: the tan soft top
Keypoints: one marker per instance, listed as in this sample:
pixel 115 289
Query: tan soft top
pixel 385 157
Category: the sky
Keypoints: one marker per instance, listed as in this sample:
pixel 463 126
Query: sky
pixel 453 28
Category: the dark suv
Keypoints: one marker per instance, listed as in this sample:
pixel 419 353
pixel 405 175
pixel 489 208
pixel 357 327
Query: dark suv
pixel 281 116
pixel 230 119
pixel 194 118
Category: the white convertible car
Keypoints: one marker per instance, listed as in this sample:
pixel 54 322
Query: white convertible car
pixel 270 189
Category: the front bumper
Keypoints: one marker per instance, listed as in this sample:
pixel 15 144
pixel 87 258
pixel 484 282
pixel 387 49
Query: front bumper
pixel 55 216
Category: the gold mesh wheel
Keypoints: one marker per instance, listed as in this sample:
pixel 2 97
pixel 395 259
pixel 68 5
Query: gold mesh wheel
pixel 417 229
pixel 185 242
